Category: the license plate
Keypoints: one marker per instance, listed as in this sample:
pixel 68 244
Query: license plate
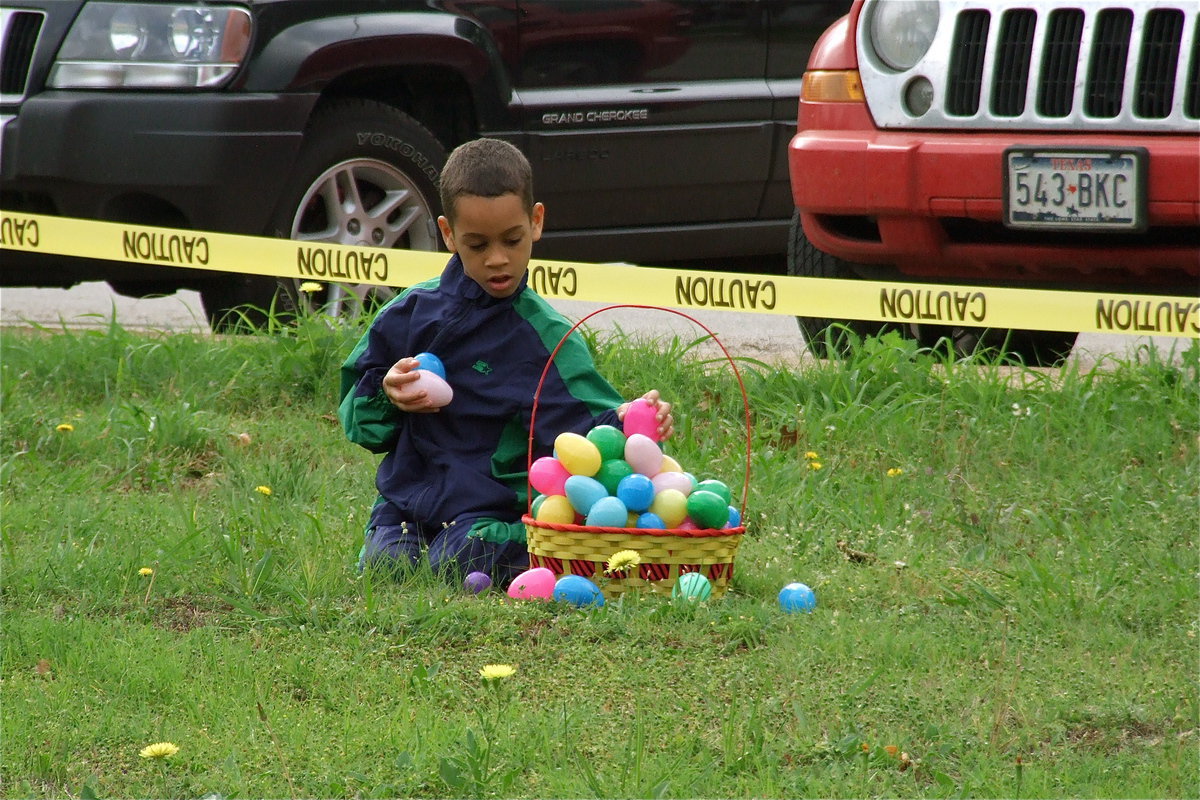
pixel 1075 189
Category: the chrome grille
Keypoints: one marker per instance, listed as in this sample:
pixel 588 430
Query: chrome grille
pixel 1048 65
pixel 18 38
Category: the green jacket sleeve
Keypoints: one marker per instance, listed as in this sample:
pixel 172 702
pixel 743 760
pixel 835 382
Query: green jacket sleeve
pixel 367 416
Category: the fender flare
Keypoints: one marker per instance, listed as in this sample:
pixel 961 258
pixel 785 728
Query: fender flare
pixel 308 56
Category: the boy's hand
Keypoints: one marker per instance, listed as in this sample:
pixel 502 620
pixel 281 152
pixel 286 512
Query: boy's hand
pixel 396 387
pixel 666 422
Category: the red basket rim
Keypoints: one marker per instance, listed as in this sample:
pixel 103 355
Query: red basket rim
pixel 697 533
pixel 537 394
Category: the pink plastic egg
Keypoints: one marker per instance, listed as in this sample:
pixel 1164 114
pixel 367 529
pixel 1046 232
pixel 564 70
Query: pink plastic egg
pixel 548 475
pixel 641 418
pixel 533 584
pixel 672 480
pixel 436 390
pixel 643 454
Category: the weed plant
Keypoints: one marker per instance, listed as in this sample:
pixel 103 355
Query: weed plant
pixel 1005 563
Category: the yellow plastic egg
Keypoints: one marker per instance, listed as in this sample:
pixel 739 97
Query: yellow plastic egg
pixel 670 505
pixel 669 465
pixel 556 509
pixel 577 454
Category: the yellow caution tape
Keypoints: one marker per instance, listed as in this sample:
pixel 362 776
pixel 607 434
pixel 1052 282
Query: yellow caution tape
pixel 937 304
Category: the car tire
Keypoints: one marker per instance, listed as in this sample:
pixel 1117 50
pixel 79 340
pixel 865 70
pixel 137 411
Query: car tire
pixel 366 175
pixel 825 337
pixel 1018 346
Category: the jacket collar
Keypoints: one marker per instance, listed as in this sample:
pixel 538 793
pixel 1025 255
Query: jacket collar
pixel 454 281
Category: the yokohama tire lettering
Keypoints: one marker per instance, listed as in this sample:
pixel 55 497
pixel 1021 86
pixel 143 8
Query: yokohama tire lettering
pixel 401 147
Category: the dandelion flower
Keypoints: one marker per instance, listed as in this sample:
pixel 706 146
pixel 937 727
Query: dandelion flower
pixel 622 561
pixel 65 427
pixel 815 465
pixel 145 572
pixel 892 750
pixel 264 490
pixel 496 672
pixel 811 455
pixel 159 750
pixel 895 472
pixel 309 287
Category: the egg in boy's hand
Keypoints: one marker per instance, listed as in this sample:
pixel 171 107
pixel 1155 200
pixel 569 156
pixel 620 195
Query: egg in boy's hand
pixel 648 415
pixel 416 390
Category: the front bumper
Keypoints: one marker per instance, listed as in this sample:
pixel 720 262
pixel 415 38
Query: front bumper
pixel 929 204
pixel 215 161
pixel 201 161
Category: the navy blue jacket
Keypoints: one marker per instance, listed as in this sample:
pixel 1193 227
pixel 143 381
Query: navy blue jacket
pixel 468 461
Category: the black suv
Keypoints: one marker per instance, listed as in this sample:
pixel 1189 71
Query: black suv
pixel 657 128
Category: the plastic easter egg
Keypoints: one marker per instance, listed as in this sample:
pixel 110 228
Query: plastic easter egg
pixel 797 597
pixel 607 512
pixel 608 440
pixel 556 509
pixel 430 362
pixel 671 506
pixel 692 586
pixel 693 479
pixel 631 521
pixel 672 480
pixel 577 454
pixel 436 389
pixel 611 472
pixel 578 591
pixel 713 485
pixel 643 455
pixel 670 465
pixel 536 504
pixel 651 520
pixel 548 475
pixel 532 584
pixel 735 518
pixel 636 491
pixel 477 582
pixel 641 417
pixel 583 492
pixel 707 509
pixel 688 525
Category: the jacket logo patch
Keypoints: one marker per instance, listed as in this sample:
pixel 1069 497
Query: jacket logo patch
pixel 482 367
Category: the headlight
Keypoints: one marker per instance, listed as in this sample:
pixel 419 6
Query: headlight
pixel 901 31
pixel 134 45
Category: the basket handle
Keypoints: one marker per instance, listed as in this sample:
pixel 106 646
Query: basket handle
pixel 537 393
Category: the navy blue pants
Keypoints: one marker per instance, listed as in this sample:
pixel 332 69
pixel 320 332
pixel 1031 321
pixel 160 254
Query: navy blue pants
pixel 451 551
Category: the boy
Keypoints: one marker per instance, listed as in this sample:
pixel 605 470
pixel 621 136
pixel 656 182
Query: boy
pixel 453 479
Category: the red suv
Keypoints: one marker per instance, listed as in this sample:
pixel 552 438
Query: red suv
pixel 1050 145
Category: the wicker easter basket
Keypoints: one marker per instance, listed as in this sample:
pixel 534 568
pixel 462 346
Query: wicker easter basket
pixel 665 553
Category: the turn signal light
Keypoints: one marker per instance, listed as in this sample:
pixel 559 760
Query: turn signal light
pixel 831 86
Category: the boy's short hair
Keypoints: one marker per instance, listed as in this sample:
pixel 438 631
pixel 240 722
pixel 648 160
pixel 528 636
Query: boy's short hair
pixel 486 168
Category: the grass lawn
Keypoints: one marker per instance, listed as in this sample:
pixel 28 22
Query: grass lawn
pixel 1020 620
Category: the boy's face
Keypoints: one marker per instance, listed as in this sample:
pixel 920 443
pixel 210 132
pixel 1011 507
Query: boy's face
pixel 494 237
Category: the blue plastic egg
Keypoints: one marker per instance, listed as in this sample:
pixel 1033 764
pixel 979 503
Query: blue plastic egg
pixel 797 597
pixel 583 492
pixel 608 512
pixel 735 518
pixel 651 520
pixel 636 491
pixel 430 362
pixel 578 591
